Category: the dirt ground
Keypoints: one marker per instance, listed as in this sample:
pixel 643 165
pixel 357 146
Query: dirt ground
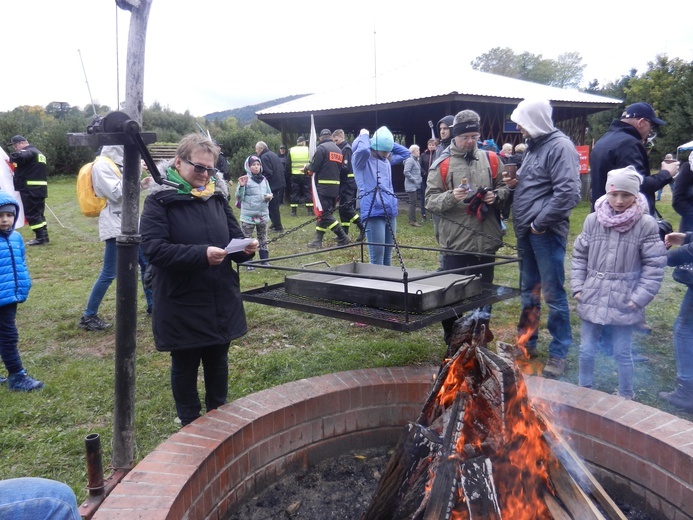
pixel 339 488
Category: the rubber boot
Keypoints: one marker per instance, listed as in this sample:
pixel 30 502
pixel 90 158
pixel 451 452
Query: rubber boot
pixel 316 243
pixel 342 238
pixel 309 210
pixel 362 230
pixel 293 211
pixel 264 255
pixel 41 237
pixel 681 397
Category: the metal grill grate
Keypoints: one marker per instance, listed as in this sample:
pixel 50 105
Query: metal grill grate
pixel 276 296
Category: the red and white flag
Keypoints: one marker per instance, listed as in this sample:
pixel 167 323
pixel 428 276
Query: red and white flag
pixel 7 185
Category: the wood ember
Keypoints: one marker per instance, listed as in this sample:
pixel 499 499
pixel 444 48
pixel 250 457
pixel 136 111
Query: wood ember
pixel 479 450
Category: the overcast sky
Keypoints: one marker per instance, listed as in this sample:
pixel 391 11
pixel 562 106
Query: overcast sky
pixel 211 55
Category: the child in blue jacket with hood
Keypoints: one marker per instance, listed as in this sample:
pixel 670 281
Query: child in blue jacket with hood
pixel 252 196
pixel 372 160
pixel 14 288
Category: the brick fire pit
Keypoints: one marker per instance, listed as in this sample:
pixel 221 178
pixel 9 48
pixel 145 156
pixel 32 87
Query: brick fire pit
pixel 234 452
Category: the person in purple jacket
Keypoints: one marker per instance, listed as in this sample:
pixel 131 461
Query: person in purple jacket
pixel 372 160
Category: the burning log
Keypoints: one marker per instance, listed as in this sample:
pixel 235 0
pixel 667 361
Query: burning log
pixel 479 450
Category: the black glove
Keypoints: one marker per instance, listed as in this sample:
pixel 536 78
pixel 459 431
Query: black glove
pixel 477 206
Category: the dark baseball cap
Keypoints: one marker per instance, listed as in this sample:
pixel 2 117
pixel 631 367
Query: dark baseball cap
pixel 325 133
pixel 644 111
pixel 17 139
pixel 301 139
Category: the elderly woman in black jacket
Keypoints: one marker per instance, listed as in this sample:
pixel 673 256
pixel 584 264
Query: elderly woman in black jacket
pixel 198 308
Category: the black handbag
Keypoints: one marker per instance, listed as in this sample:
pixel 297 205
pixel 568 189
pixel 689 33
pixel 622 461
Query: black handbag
pixel 664 225
pixel 684 274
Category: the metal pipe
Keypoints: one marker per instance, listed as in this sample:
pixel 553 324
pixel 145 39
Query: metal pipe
pixel 126 314
pixel 95 482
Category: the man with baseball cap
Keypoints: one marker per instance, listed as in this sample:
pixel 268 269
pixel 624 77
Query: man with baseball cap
pixel 30 181
pixel 623 145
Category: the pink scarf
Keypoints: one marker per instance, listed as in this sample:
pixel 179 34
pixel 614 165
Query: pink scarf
pixel 621 222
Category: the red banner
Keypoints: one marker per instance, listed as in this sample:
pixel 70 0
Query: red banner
pixel 584 153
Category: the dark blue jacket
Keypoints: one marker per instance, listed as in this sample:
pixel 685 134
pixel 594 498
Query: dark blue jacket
pixel 619 147
pixel 683 197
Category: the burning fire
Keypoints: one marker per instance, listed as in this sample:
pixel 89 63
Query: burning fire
pixel 509 435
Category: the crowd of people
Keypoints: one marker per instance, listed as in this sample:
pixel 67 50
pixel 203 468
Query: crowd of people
pixel 464 184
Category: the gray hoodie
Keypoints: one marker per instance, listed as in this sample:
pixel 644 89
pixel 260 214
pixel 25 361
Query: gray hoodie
pixel 549 179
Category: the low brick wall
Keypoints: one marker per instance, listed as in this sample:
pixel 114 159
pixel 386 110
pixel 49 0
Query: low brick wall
pixel 234 452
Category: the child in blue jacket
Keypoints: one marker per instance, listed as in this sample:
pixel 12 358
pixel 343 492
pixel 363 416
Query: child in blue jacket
pixel 14 288
pixel 252 196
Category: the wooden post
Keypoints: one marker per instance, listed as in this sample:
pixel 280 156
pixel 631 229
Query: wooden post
pixel 137 37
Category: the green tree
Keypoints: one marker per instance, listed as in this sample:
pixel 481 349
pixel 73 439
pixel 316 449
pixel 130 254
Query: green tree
pixel 667 85
pixel 565 71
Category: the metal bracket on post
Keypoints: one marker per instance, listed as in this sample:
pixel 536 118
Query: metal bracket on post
pixel 117 128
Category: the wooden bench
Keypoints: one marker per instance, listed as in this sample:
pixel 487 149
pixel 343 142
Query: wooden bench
pixel 162 152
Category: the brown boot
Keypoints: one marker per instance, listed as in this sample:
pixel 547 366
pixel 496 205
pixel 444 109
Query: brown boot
pixel 555 367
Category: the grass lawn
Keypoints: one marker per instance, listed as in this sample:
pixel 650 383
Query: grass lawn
pixel 42 433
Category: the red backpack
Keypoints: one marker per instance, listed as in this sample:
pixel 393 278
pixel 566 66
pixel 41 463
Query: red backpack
pixel 492 160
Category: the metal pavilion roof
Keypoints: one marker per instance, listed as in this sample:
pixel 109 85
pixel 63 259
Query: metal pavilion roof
pixel 399 86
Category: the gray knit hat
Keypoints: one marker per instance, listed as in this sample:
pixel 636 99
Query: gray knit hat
pixel 624 179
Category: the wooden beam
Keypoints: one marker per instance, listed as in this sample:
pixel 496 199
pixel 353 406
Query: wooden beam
pixel 575 500
pixel 579 471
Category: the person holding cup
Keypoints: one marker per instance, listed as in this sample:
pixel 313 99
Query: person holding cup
pixel 467 195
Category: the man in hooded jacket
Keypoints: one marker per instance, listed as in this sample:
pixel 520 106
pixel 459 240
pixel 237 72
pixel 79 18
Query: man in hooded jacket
pixel 445 132
pixel 547 188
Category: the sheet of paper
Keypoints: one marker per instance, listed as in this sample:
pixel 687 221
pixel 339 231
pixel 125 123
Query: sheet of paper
pixel 237 244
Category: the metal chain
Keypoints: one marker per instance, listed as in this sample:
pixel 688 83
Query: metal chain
pixel 289 231
pixel 378 192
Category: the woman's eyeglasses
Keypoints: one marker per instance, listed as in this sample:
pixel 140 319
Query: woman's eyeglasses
pixel 198 168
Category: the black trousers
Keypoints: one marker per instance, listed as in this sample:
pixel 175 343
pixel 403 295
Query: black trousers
pixel 273 206
pixel 327 220
pixel 185 365
pixel 347 202
pixel 466 260
pixel 300 191
pixel 34 203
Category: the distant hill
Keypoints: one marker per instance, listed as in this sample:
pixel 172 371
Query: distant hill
pixel 246 114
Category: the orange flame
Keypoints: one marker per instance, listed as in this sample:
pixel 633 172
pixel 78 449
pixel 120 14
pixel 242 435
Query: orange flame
pixel 519 459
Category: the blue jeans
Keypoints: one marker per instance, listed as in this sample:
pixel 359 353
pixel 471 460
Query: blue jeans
pixel 9 337
pixel 621 337
pixel 105 279
pixel 37 498
pixel 683 339
pixel 542 272
pixel 184 368
pixel 378 231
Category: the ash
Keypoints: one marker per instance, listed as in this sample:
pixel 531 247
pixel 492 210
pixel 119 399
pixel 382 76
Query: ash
pixel 336 488
pixel 341 488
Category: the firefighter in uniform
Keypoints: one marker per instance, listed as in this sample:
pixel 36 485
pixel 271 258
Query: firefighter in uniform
pixel 325 168
pixel 300 183
pixel 347 187
pixel 30 181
